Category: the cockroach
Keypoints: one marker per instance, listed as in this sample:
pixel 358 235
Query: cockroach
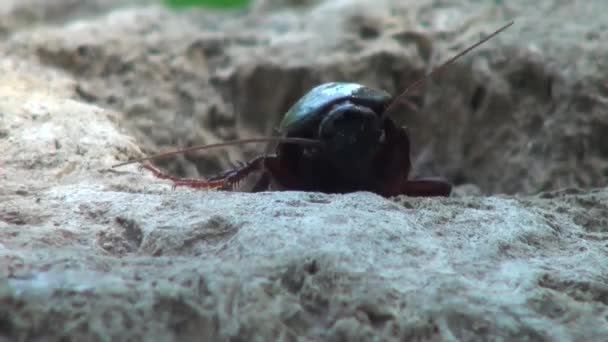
pixel 337 138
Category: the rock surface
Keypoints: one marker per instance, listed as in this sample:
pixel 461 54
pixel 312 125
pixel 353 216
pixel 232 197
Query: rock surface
pixel 88 252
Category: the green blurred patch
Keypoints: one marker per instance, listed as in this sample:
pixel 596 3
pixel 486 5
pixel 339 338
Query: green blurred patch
pixel 208 3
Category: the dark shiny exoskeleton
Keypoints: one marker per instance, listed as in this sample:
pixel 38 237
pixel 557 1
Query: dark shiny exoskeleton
pixel 359 150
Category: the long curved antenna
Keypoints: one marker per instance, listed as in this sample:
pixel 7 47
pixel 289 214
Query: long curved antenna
pixel 299 141
pixel 419 81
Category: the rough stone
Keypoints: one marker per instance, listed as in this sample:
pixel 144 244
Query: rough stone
pixel 89 252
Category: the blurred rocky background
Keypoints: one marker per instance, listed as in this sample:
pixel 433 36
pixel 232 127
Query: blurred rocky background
pixel 523 113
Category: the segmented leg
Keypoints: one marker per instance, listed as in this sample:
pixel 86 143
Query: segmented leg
pixel 232 178
pixel 395 169
pixel 196 183
pixel 226 180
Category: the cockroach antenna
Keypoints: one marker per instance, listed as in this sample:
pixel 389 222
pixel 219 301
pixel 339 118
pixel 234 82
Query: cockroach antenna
pixel 298 141
pixel 435 71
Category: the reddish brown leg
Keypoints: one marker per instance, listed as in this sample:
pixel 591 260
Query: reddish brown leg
pixel 225 181
pixel 426 188
pixel 231 178
pixel 189 182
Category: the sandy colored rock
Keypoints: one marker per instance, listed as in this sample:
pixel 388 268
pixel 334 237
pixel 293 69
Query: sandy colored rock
pixel 88 252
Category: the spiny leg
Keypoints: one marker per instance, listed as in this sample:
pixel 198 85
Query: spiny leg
pixel 196 183
pixel 226 180
pixel 397 166
pixel 233 177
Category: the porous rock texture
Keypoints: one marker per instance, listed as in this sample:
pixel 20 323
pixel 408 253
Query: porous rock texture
pixel 88 252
